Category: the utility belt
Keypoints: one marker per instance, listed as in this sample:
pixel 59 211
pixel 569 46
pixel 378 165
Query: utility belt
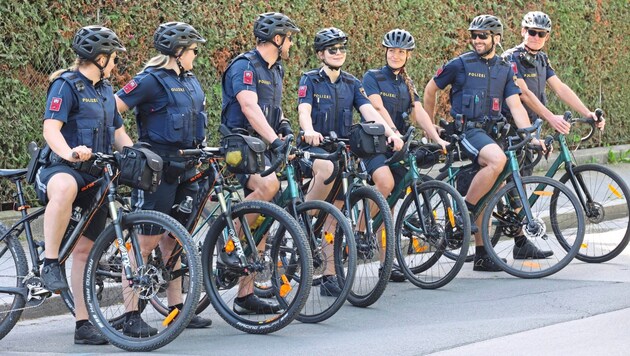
pixel 84 166
pixel 491 125
pixel 175 166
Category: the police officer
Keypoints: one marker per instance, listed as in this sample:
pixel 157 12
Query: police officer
pixel 80 118
pixel 393 95
pixel 533 71
pixel 480 83
pixel 170 114
pixel 252 96
pixel 326 97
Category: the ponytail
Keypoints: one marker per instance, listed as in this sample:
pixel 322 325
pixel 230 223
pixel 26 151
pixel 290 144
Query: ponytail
pixel 410 86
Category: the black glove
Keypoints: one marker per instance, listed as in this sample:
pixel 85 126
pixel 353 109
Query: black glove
pixel 276 144
pixel 285 128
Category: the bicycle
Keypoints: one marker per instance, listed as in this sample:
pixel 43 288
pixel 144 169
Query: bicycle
pixel 228 254
pixel 523 207
pixel 103 271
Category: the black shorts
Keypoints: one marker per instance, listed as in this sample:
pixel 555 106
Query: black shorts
pixel 377 161
pixel 473 141
pixel 244 178
pixel 83 200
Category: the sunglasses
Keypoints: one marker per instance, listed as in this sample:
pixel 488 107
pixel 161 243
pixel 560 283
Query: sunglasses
pixel 533 33
pixel 335 50
pixel 483 36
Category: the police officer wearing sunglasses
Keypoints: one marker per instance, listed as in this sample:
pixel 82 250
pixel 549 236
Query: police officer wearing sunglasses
pixel 170 114
pixel 481 83
pixel 534 71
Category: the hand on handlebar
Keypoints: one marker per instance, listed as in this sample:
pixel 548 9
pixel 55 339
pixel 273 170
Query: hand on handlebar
pixel 396 141
pixel 444 145
pixel 559 124
pixel 599 124
pixel 79 154
pixel 313 137
pixel 536 142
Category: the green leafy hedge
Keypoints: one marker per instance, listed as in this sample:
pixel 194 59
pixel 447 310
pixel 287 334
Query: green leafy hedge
pixel 589 47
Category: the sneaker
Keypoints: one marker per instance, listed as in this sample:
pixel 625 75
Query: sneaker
pixel 88 334
pixel 251 304
pixel 529 250
pixel 53 281
pixel 396 275
pixel 486 264
pixel 198 322
pixel 134 326
pixel 329 287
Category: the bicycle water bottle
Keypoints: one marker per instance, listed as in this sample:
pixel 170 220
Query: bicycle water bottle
pixel 182 211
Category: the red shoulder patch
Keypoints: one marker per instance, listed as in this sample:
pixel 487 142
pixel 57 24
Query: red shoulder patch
pixel 248 77
pixel 55 104
pixel 302 91
pixel 130 86
pixel 439 71
pixel 514 68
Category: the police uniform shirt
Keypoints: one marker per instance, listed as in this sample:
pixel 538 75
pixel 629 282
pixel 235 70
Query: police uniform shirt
pixel 242 75
pixel 455 74
pixel 85 111
pixel 331 103
pixel 393 91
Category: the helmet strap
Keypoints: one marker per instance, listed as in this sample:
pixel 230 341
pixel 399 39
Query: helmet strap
pixel 530 50
pixel 279 46
pixel 179 64
pixel 100 67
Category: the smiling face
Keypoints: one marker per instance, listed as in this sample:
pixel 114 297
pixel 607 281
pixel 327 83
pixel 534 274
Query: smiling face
pixel 335 55
pixel 482 41
pixel 397 57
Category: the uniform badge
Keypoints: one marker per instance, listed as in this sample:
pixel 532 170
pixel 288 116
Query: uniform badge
pixel 495 104
pixel 248 77
pixel 302 91
pixel 55 104
pixel 363 92
pixel 130 86
pixel 514 68
pixel 439 71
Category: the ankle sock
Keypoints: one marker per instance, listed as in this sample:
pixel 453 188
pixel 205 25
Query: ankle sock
pixel 49 261
pixel 80 323
pixel 480 251
pixel 179 306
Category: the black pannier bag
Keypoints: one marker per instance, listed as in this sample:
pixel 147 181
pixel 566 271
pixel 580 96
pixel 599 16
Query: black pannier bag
pixel 428 155
pixel 140 168
pixel 243 154
pixel 465 177
pixel 368 139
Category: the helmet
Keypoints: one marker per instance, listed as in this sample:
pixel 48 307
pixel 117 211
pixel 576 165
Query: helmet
pixel 328 37
pixel 172 35
pixel 270 24
pixel 90 41
pixel 399 39
pixel 487 23
pixel 537 19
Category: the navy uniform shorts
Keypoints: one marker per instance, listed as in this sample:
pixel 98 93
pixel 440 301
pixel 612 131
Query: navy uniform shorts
pixel 473 141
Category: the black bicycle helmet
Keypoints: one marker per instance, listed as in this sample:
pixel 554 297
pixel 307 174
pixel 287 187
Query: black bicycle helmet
pixel 537 19
pixel 399 38
pixel 487 23
pixel 329 37
pixel 269 24
pixel 90 41
pixel 172 35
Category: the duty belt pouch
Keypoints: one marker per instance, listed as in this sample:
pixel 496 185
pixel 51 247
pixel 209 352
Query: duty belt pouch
pixel 368 139
pixel 140 168
pixel 39 158
pixel 465 177
pixel 243 154
pixel 173 170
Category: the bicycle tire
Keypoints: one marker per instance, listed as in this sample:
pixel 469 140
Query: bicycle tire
pixel 13 268
pixel 318 309
pixel 221 281
pixel 369 284
pixel 610 197
pixel 511 223
pixel 450 232
pixel 104 306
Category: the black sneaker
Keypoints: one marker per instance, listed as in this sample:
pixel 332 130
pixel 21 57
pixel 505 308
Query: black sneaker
pixel 251 304
pixel 53 281
pixel 396 275
pixel 329 287
pixel 88 334
pixel 486 264
pixel 198 322
pixel 529 250
pixel 134 326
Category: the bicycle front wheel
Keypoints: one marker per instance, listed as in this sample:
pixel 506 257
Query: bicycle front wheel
pixel 283 263
pixel 111 300
pixel 539 247
pixel 607 210
pixel 13 269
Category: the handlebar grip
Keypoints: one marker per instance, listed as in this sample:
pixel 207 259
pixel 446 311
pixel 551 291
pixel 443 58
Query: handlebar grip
pixel 189 152
pixel 75 155
pixel 599 113
pixel 567 116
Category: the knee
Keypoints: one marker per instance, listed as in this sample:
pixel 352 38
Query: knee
pixel 323 169
pixel 62 192
pixel 385 186
pixel 268 188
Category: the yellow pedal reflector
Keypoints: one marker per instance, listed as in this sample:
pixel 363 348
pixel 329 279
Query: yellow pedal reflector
pixel 383 238
pixel 128 245
pixel 451 216
pixel 408 191
pixel 584 245
pixel 285 288
pixel 229 246
pixel 531 264
pixel 328 237
pixel 543 193
pixel 169 318
pixel 615 191
pixel 280 263
pixel 417 246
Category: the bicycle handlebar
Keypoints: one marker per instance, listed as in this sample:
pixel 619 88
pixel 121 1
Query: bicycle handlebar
pixel 398 155
pixel 281 153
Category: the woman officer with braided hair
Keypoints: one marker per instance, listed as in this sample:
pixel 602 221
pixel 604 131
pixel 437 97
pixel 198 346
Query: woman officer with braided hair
pixel 80 102
pixel 393 95
pixel 170 113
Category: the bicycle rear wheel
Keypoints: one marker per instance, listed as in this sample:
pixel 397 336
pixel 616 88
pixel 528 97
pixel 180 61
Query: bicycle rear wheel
pixel 13 269
pixel 607 211
pixel 109 303
pixel 285 264
pixel 555 232
pixel 375 245
pixel 424 236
